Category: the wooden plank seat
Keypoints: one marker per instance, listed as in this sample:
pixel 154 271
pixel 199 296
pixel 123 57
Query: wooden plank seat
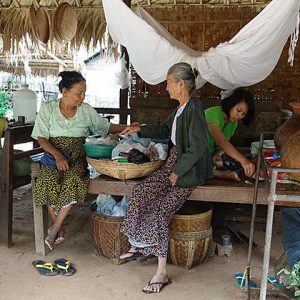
pixel 215 191
pixel 13 136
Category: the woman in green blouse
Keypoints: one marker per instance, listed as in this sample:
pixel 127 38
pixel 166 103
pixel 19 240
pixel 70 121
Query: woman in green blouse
pixel 222 122
pixel 61 128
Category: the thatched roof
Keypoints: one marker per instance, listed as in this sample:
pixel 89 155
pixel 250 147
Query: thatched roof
pixel 17 32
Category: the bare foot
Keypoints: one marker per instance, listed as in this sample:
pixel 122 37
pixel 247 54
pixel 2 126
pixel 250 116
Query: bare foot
pixel 60 237
pixel 157 283
pixel 49 241
pixel 231 175
pixel 130 253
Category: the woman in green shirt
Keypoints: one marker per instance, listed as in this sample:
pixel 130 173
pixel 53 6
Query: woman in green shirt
pixel 61 128
pixel 222 122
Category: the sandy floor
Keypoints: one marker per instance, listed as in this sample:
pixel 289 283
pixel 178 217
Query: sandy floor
pixel 98 278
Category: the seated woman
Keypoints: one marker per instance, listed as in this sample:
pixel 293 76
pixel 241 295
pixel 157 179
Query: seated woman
pixel 61 128
pixel 222 122
pixel 157 198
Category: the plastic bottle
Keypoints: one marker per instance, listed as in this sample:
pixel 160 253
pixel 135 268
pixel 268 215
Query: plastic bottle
pixel 25 104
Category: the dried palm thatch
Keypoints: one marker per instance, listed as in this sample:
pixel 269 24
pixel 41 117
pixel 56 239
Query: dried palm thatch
pixel 18 35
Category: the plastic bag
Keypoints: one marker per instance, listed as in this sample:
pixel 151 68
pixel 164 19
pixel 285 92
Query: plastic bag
pixel 107 141
pixel 120 208
pixel 122 74
pixel 158 151
pixel 124 147
pixel 105 204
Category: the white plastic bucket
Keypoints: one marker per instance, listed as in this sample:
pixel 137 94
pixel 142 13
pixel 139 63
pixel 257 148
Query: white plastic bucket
pixel 25 104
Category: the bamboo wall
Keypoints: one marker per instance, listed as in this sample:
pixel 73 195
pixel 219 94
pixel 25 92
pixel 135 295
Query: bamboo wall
pixel 202 27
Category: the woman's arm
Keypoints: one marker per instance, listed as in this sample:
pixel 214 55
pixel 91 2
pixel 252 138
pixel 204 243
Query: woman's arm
pixel 116 128
pixel 62 163
pixel 230 150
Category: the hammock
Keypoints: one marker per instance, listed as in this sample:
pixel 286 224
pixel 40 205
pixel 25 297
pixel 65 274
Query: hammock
pixel 248 58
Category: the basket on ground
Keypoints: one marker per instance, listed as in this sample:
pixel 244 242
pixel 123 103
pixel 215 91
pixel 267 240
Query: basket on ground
pixel 190 235
pixel 124 171
pixel 98 151
pixel 106 235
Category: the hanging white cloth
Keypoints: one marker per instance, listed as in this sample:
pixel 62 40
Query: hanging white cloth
pixel 248 58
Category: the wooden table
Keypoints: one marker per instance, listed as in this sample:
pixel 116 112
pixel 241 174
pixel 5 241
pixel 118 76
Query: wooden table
pixel 14 135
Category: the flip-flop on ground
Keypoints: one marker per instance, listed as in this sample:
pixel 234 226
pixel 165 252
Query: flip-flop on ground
pixel 45 268
pixel 64 267
pixel 161 286
pixel 132 255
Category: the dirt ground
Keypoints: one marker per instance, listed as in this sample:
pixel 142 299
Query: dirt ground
pixel 98 278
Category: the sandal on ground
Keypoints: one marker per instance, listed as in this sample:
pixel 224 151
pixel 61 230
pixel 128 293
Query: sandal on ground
pixel 162 285
pixel 272 280
pixel 133 256
pixel 45 268
pixel 64 267
pixel 241 280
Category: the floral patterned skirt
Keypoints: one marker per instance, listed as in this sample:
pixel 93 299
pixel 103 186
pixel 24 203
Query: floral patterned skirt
pixel 60 188
pixel 151 207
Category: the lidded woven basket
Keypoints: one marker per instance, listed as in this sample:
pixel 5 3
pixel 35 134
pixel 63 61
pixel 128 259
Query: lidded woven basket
pixel 124 171
pixel 64 22
pixel 190 235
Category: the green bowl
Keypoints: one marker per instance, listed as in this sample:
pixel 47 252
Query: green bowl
pixel 98 151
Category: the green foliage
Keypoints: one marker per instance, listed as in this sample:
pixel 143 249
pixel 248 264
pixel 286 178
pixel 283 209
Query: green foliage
pixel 5 103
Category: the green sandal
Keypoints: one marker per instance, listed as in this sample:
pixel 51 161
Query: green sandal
pixel 64 267
pixel 45 268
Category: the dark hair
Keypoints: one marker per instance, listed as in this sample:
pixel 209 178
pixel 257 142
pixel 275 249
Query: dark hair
pixel 185 72
pixel 240 95
pixel 69 78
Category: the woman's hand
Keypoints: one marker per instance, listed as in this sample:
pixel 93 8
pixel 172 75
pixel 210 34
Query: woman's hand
pixel 248 167
pixel 129 130
pixel 173 178
pixel 62 163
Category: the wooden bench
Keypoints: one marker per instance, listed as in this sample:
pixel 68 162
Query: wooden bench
pixel 214 191
pixel 13 136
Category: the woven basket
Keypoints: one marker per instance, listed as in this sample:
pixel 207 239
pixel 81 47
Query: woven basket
pixel 124 171
pixel 189 249
pixel 64 22
pixel 40 25
pixel 290 154
pixel 98 151
pixel 192 217
pixel 190 235
pixel 106 235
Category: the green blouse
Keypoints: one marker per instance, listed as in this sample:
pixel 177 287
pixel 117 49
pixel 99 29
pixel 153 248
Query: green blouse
pixel 215 115
pixel 50 122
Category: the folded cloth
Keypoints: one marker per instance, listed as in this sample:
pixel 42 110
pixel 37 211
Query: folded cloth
pixel 231 164
pixel 49 160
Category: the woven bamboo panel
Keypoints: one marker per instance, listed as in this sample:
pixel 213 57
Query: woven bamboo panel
pixel 106 235
pixel 202 27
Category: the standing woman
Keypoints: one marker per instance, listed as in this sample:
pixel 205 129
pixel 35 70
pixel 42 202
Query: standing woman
pixel 157 198
pixel 61 128
pixel 222 122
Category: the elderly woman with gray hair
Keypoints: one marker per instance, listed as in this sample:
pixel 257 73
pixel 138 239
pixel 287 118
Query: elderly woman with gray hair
pixel 158 197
